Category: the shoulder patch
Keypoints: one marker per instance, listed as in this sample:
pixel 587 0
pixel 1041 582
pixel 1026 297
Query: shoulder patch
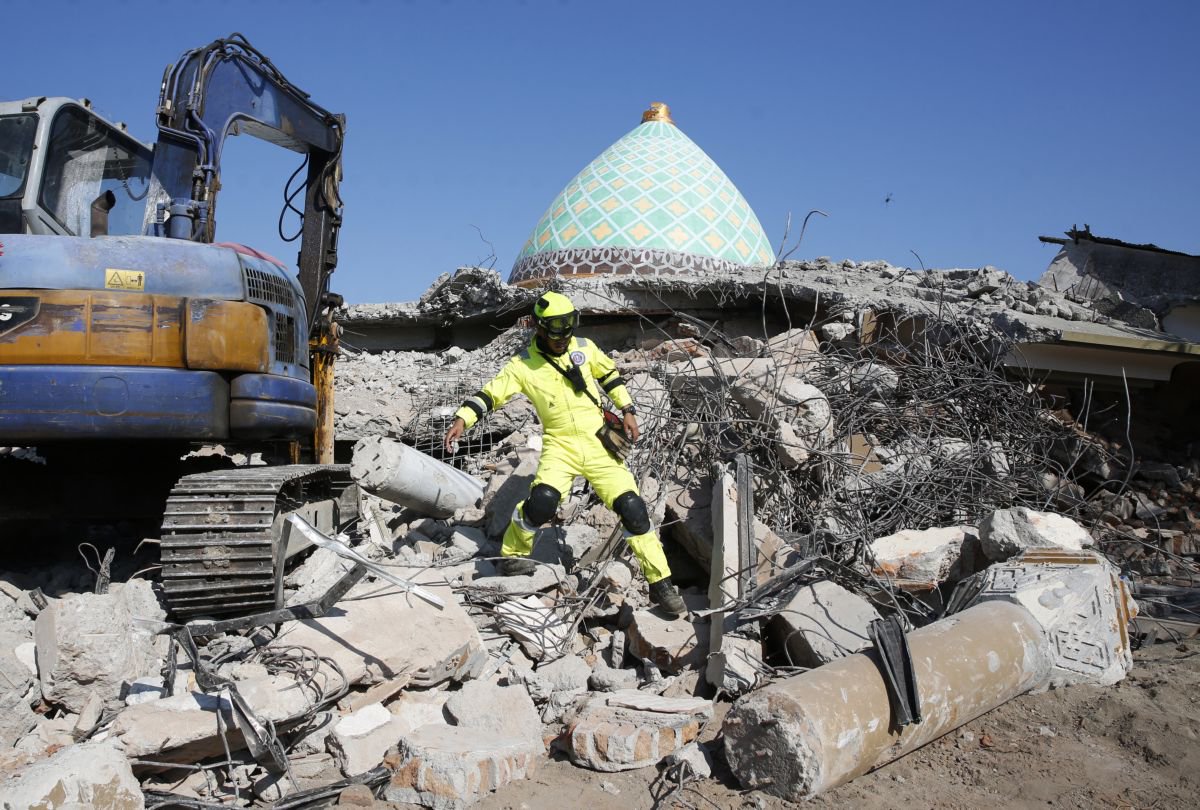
pixel 578 358
pixel 583 342
pixel 524 355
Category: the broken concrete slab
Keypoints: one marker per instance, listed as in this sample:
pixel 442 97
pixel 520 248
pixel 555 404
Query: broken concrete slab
pixel 50 734
pixel 93 775
pixel 16 717
pixel 418 708
pixel 377 632
pixel 735 668
pixel 606 679
pixel 622 731
pixel 19 688
pixel 567 674
pixel 689 511
pixel 89 718
pixel 1081 603
pixel 89 642
pixel 451 767
pixel 738 666
pixel 503 710
pixel 312 771
pixel 1007 532
pixel 930 556
pixel 184 728
pixel 672 644
pixel 359 740
pixel 543 578
pixel 821 623
pixel 795 351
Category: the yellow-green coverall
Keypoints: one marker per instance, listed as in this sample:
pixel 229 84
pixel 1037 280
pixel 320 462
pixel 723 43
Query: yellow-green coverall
pixel 570 447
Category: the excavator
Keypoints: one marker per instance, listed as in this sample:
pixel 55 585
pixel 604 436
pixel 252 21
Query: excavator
pixel 130 339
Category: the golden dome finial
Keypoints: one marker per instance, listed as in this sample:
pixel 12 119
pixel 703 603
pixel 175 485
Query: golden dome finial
pixel 658 112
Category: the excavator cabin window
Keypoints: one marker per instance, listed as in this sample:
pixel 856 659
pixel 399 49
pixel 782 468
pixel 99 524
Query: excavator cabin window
pixel 85 158
pixel 16 150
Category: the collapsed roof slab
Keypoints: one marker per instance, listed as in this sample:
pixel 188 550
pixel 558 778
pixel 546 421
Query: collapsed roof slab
pixel 471 307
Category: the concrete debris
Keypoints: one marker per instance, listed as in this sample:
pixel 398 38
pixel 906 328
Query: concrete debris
pixel 627 730
pixel 606 679
pixel 451 767
pixel 378 632
pixel 420 708
pixel 537 627
pixel 89 642
pixel 567 674
pixel 503 710
pixel 94 775
pixel 16 716
pixel 673 644
pixel 19 687
pixel 1008 532
pixel 187 727
pixel 50 734
pixel 821 623
pixel 930 556
pixel 543 578
pixel 694 757
pixel 359 740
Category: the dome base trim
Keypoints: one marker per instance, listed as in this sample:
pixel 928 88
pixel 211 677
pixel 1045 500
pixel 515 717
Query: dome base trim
pixel 618 261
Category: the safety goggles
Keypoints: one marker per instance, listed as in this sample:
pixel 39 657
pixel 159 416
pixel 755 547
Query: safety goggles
pixel 560 325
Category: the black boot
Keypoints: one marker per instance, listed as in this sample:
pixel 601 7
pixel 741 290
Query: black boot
pixel 516 566
pixel 666 596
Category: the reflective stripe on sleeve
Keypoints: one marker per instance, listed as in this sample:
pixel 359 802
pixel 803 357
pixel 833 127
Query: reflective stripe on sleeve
pixel 613 383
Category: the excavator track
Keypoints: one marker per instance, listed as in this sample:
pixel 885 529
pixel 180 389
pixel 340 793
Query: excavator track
pixel 221 535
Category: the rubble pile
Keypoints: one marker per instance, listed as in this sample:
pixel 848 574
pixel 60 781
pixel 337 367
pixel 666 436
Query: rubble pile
pixel 879 534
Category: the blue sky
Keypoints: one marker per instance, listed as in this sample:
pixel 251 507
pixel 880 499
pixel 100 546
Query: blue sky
pixel 988 124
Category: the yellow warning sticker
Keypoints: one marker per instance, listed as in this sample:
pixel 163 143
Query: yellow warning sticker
pixel 124 279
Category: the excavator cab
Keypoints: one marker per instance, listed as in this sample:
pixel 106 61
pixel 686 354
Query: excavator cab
pixel 64 170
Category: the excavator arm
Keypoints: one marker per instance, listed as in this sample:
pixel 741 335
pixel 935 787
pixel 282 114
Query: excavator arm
pixel 227 88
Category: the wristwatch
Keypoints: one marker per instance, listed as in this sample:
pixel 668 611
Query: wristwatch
pixel 629 409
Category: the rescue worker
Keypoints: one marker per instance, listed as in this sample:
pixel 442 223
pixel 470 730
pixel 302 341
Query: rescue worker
pixel 563 375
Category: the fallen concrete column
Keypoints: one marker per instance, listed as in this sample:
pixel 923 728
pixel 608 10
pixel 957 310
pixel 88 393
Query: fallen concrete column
pixel 804 735
pixel 396 472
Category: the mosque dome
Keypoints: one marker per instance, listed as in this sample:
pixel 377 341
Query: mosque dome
pixel 653 203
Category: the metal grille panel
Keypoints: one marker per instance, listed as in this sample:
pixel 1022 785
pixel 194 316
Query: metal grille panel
pixel 264 288
pixel 285 338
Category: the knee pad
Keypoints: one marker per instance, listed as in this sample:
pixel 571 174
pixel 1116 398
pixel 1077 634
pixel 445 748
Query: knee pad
pixel 541 505
pixel 632 510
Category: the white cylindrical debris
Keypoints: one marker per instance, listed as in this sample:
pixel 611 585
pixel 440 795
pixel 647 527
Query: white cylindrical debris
pixel 401 474
pixel 814 731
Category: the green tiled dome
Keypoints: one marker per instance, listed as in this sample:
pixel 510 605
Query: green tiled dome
pixel 651 203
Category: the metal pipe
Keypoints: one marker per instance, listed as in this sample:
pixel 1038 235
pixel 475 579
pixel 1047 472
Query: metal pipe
pixel 804 735
pixel 400 474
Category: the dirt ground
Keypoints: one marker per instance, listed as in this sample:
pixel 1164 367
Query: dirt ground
pixel 1134 745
